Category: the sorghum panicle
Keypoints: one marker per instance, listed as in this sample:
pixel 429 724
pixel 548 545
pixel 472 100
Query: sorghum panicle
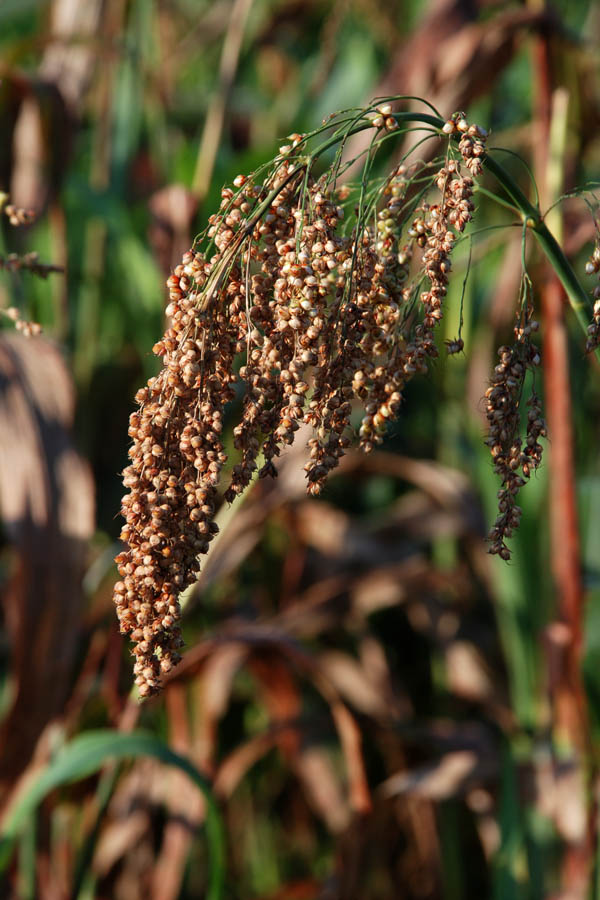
pixel 311 319
pixel 513 461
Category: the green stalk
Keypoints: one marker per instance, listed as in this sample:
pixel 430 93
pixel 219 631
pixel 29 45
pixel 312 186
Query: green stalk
pixel 578 298
pixel 532 216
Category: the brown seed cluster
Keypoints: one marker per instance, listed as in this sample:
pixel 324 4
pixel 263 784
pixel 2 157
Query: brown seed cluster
pixel 302 320
pixel 27 329
pixel 513 461
pixel 593 267
pixel 472 141
pixel 382 117
pixel 16 215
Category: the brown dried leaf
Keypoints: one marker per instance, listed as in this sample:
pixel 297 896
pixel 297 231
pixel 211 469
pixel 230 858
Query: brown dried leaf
pixel 311 764
pixel 47 500
pixel 353 683
pixel 323 789
pixel 451 60
pixel 117 838
pixel 281 695
pixel 269 638
pixel 452 775
pixel 469 674
pixel 185 806
pixel 212 691
pixel 235 766
pixel 71 54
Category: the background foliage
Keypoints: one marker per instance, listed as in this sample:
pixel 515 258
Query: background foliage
pixel 375 707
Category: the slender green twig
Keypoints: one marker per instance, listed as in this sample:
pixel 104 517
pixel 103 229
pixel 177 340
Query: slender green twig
pixel 498 200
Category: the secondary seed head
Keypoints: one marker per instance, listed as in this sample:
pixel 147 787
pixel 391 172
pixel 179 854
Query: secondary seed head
pixel 314 320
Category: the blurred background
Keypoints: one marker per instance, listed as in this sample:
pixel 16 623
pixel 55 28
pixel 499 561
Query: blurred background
pixel 381 709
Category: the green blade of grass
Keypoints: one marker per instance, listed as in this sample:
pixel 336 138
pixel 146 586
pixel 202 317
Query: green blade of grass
pixel 84 756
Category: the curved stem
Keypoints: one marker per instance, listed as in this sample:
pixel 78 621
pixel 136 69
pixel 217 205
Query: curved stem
pixel 578 297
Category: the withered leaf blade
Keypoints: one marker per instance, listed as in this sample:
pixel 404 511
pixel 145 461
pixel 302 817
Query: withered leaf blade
pixel 47 504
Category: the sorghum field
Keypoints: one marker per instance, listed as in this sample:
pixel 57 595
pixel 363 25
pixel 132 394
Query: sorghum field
pixel 299 450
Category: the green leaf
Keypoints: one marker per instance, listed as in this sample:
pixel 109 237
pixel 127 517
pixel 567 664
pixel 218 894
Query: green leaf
pixel 88 753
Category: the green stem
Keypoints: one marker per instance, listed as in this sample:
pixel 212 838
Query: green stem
pixel 578 298
pixel 532 216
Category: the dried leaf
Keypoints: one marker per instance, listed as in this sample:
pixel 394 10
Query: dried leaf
pixel 47 500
